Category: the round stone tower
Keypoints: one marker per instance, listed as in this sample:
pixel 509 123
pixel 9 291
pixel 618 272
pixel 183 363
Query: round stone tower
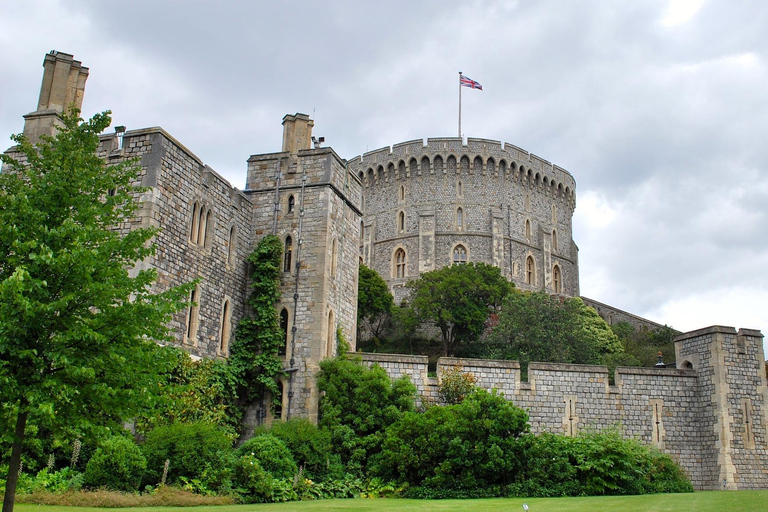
pixel 444 201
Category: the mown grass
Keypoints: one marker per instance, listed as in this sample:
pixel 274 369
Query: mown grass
pixel 730 501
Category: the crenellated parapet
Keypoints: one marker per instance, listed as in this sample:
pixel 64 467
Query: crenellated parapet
pixel 441 201
pixel 451 156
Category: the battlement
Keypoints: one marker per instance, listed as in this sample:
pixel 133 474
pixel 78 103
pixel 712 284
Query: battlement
pixel 710 416
pixel 456 157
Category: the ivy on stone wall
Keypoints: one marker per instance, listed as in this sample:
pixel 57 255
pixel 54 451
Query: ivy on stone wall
pixel 258 337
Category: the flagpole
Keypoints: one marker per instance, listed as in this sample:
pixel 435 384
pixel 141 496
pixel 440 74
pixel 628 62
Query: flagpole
pixel 459 104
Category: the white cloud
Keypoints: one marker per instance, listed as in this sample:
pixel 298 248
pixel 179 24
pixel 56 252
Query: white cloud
pixel 681 11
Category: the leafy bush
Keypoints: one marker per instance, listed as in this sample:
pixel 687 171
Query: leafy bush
pixel 595 463
pixel 310 446
pixel 455 385
pixel 471 445
pixel 195 451
pixel 665 475
pixel 359 403
pixel 117 464
pixel 271 454
pixel 55 482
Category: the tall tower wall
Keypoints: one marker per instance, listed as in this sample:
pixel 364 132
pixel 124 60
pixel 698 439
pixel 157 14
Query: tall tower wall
pixel 496 202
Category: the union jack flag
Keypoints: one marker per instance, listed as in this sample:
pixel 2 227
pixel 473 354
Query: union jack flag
pixel 468 82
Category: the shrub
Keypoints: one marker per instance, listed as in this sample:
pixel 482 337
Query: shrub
pixel 595 463
pixel 359 403
pixel 665 475
pixel 271 454
pixel 471 445
pixel 549 468
pixel 309 445
pixel 195 451
pixel 117 464
pixel 455 385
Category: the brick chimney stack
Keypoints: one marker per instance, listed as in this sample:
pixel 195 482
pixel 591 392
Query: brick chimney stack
pixel 63 86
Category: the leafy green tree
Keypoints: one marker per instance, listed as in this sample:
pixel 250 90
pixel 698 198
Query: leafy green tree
pixel 77 326
pixel 374 303
pixel 458 299
pixel 644 345
pixel 534 326
pixel 357 405
pixel 194 391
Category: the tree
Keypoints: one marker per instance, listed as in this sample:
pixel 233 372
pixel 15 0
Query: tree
pixel 535 326
pixel 645 344
pixel 374 303
pixel 357 405
pixel 77 324
pixel 458 299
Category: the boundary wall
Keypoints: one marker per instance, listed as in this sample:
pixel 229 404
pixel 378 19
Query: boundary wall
pixel 709 415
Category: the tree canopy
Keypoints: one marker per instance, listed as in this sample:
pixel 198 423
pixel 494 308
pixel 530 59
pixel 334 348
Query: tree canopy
pixel 78 323
pixel 535 326
pixel 458 299
pixel 374 303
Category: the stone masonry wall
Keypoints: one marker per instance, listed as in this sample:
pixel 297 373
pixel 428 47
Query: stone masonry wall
pixel 318 284
pixel 710 415
pixel 177 181
pixel 479 194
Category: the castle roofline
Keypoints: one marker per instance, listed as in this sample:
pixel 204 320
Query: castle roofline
pixel 304 152
pixel 173 140
pixel 458 145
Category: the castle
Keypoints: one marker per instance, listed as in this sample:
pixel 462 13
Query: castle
pixel 405 210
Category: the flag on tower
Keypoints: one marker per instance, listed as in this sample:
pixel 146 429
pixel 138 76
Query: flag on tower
pixel 468 82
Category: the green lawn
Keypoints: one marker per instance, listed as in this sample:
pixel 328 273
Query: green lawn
pixel 728 501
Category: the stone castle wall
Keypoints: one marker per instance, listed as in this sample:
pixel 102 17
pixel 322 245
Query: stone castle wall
pixel 500 203
pixel 709 416
pixel 179 186
pixel 319 213
pixel 613 316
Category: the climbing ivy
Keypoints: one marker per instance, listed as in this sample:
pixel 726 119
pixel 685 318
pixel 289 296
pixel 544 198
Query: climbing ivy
pixel 253 354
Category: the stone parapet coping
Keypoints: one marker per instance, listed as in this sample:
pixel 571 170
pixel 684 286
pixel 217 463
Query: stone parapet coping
pixel 393 358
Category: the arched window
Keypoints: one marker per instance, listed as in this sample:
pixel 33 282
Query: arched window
pixel 528 230
pixel 459 219
pixel 459 255
pixel 402 193
pixel 195 224
pixel 330 343
pixel 401 222
pixel 291 203
pixel 232 246
pixel 201 226
pixel 557 280
pixel 459 191
pixel 207 231
pixel 554 240
pixel 400 263
pixel 530 271
pixel 193 315
pixel 277 402
pixel 226 328
pixel 287 254
pixel 284 328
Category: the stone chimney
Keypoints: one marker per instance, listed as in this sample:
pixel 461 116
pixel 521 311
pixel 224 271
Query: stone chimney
pixel 297 133
pixel 63 86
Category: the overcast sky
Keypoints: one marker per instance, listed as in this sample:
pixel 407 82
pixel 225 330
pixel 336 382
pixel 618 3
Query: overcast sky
pixel 658 108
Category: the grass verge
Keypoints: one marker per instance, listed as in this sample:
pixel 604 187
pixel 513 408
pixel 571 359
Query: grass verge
pixel 711 501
